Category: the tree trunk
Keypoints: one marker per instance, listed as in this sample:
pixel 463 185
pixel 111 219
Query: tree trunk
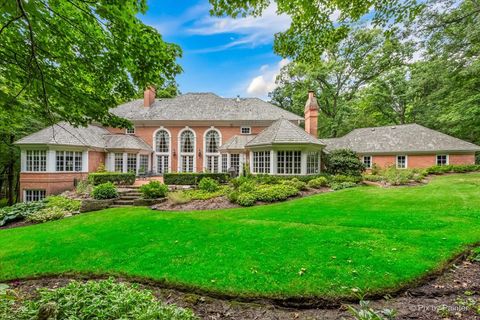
pixel 10 172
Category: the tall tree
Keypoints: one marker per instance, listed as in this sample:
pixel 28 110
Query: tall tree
pixel 74 59
pixel 344 68
pixel 318 23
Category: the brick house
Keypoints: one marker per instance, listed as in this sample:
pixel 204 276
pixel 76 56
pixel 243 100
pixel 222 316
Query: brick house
pixel 203 132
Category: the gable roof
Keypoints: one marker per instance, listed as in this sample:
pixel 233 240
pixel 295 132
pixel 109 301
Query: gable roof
pixel 237 142
pixel 203 106
pixel 283 131
pixel 398 138
pixel 91 136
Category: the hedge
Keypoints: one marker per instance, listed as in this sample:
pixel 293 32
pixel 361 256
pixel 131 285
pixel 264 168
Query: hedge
pixel 193 178
pixel 97 178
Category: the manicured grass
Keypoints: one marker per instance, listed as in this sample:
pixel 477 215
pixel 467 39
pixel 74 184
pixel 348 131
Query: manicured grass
pixel 365 237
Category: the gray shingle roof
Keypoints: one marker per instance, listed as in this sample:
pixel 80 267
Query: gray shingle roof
pixel 237 142
pixel 125 141
pixel 283 131
pixel 203 106
pixel 90 136
pixel 399 138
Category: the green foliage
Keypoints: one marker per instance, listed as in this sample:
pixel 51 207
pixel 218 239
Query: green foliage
pixel 154 190
pixel 102 299
pixel 208 184
pixel 105 191
pixel 193 178
pixel 272 193
pixel 365 312
pixel 46 214
pixel 205 195
pixel 344 162
pixel 453 169
pixel 118 178
pixel 64 203
pixel 297 184
pixel 318 183
pixel 20 210
pixel 246 199
pixel 248 186
pixel 342 185
pixel 83 188
pixel 339 178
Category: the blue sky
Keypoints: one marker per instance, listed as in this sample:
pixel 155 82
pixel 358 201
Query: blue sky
pixel 226 56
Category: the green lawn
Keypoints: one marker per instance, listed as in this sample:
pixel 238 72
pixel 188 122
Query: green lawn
pixel 365 237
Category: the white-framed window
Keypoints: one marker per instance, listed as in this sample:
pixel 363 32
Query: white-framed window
pixel 131 162
pixel 313 162
pixel 235 161
pixel 130 130
pixel 245 130
pixel 118 162
pixel 36 160
pixel 143 163
pixel 402 162
pixel 442 159
pixel 261 162
pixel 212 156
pixel 224 162
pixel 69 161
pixel 289 162
pixel 367 161
pixel 162 150
pixel 34 195
pixel 187 151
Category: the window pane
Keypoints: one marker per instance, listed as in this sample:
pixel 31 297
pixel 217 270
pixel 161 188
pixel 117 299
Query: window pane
pixel 212 141
pixel 34 195
pixel 118 162
pixel 162 141
pixel 289 162
pixel 261 162
pixel 131 162
pixel 162 163
pixel 36 160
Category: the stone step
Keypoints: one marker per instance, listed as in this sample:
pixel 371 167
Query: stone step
pixel 129 197
pixel 119 205
pixel 123 202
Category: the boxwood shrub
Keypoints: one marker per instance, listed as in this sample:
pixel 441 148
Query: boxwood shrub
pixel 105 191
pixel 208 184
pixel 121 178
pixel 193 178
pixel 154 190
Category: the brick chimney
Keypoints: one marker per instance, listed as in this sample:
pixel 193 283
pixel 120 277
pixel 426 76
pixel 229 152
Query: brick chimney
pixel 148 96
pixel 311 114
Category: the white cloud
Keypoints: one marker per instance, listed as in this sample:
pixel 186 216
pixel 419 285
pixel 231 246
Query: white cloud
pixel 264 83
pixel 251 31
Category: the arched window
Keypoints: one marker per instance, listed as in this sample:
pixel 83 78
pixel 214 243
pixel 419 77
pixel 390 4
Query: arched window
pixel 162 150
pixel 187 151
pixel 162 141
pixel 212 141
pixel 212 156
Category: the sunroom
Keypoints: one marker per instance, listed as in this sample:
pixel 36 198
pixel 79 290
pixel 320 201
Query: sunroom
pixel 127 153
pixel 284 149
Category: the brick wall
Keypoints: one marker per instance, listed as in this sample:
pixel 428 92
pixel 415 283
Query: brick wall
pixel 422 161
pixel 53 183
pixel 95 158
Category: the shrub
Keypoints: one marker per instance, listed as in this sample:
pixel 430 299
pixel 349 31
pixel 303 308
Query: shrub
pixel 232 196
pixel 238 181
pixel 105 191
pixel 342 185
pixel 208 184
pixel 83 187
pixel 272 193
pixel 178 197
pixel 339 178
pixel 373 177
pixel 344 162
pixel 64 203
pixel 192 178
pixel 20 211
pixel 205 195
pixel 121 178
pixel 247 186
pixel 154 190
pixel 46 214
pixel 297 184
pixel 103 299
pixel 318 183
pixel 246 199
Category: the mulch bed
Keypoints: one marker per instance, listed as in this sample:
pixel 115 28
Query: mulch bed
pixel 423 302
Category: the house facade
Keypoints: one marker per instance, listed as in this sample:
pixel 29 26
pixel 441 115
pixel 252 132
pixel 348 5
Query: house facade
pixel 198 132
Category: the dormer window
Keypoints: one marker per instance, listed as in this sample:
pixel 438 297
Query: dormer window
pixel 130 130
pixel 245 130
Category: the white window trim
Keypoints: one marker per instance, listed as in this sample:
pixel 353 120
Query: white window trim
pixel 406 160
pixel 252 164
pixel 303 163
pixel 371 161
pixel 246 127
pixel 205 154
pixel 169 153
pixel 442 154
pixel 71 171
pixel 180 154
pixel 134 130
pixel 25 193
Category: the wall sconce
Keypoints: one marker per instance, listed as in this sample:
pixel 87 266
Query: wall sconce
pixel 199 153
pixel 174 153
